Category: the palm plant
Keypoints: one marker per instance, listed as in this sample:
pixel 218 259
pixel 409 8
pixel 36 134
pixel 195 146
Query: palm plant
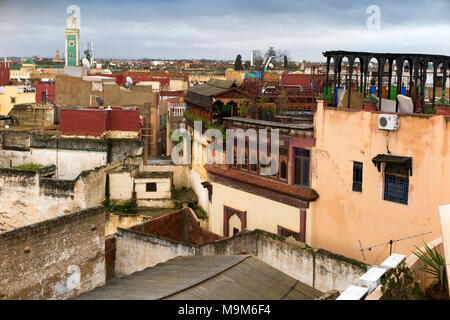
pixel 433 264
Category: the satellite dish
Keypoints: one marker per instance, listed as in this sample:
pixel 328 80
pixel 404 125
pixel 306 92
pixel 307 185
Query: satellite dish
pixel 270 65
pixel 99 101
pixel 107 71
pixel 19 81
pixel 86 63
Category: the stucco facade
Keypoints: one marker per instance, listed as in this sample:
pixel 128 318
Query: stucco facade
pixel 342 218
pixel 11 95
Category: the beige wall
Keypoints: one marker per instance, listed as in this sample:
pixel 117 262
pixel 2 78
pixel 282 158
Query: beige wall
pixel 11 92
pixel 178 84
pixel 262 213
pixel 341 218
pixel 120 186
pixel 163 188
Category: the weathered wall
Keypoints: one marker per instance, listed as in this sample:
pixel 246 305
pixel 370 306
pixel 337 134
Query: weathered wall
pixel 318 268
pixel 27 198
pixel 181 225
pixel 55 259
pixel 41 114
pixel 73 91
pixel 136 251
pixel 180 173
pixel 70 155
pixel 344 136
pixel 114 221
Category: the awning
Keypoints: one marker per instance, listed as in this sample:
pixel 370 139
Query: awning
pixel 405 162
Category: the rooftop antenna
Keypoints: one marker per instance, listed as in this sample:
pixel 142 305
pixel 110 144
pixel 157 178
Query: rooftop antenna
pixel 390 242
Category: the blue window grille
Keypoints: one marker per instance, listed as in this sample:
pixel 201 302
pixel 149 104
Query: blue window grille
pixel 396 188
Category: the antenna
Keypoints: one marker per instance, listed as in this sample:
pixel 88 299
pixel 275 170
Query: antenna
pixel 390 242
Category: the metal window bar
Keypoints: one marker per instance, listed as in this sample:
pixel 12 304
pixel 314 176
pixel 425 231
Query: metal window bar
pixel 396 188
pixel 357 176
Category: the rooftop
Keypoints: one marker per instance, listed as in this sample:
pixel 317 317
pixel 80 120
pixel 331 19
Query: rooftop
pixel 236 277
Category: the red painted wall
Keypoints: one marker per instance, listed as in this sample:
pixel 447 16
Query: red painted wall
pixel 41 89
pixel 303 80
pixel 94 122
pixel 83 122
pixel 4 74
pixel 171 226
pixel 123 119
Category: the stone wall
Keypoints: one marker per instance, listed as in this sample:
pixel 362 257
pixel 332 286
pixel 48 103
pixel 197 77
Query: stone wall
pixel 27 198
pixel 136 251
pixel 70 155
pixel 55 259
pixel 317 268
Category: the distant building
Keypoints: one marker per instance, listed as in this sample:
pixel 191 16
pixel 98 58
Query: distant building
pixel 4 74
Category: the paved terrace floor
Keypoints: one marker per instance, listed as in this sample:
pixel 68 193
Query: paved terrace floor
pixel 241 277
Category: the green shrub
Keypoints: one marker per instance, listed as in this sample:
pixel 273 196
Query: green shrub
pixel 29 166
pixel 398 284
pixel 433 265
pixel 322 96
pixel 244 107
pixel 370 99
pixel 443 101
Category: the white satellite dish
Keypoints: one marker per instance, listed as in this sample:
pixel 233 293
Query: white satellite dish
pixel 129 82
pixel 107 71
pixel 86 63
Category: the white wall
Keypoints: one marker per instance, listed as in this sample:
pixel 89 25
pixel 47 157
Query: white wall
pixel 69 164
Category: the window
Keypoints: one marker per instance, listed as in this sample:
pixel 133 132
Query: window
pixel 396 184
pixel 357 176
pixel 72 43
pixel 283 170
pixel 150 187
pixel 13 100
pixel 301 167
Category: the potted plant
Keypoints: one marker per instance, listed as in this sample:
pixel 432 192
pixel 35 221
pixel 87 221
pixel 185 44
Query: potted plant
pixel 322 97
pixel 434 266
pixel 370 103
pixel 443 106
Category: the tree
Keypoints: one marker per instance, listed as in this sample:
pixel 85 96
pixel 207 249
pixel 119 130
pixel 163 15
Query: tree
pixel 247 65
pixel 238 63
pixel 285 62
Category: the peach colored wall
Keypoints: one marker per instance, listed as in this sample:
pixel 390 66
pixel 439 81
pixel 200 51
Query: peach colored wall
pixel 341 217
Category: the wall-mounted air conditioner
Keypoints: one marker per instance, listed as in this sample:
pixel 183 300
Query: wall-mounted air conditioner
pixel 388 122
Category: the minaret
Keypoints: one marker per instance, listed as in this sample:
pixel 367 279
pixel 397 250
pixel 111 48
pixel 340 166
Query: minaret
pixel 72 52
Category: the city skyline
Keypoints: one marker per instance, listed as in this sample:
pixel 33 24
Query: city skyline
pixel 173 30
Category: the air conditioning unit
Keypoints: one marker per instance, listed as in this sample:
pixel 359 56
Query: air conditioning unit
pixel 389 122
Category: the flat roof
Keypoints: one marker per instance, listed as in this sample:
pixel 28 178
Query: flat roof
pixel 235 277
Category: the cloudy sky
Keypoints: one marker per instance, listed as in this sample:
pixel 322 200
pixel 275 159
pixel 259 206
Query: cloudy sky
pixel 217 29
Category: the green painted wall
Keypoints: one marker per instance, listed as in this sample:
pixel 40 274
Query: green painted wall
pixel 71 50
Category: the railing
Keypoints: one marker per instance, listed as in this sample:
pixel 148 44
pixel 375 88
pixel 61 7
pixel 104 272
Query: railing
pixel 21 89
pixel 177 109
